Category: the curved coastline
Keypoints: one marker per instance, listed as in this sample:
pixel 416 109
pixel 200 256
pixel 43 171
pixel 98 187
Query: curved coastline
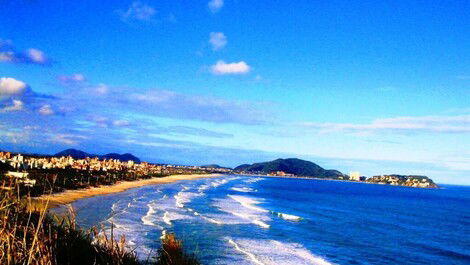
pixel 69 196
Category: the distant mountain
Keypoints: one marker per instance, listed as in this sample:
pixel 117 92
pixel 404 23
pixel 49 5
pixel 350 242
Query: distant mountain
pixel 123 157
pixel 78 154
pixel 213 166
pixel 291 166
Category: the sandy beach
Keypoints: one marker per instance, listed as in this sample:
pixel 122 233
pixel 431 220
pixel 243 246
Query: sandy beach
pixel 70 196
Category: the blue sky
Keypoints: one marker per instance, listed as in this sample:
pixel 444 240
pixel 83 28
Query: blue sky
pixel 377 87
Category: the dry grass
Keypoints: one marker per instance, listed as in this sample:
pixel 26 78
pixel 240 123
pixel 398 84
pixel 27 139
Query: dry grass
pixel 172 253
pixel 29 235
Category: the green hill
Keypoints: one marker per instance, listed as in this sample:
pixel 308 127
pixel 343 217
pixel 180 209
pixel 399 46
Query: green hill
pixel 292 166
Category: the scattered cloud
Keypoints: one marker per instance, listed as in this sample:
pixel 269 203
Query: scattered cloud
pixel 101 89
pixel 138 11
pixel 223 68
pixel 9 54
pixel 430 124
pixel 16 95
pixel 217 40
pixel 11 87
pixel 187 130
pixel 67 139
pixel 105 122
pixel 215 5
pixel 36 56
pixel 170 104
pixel 46 110
pixel 74 79
pixel 17 105
pixel 121 123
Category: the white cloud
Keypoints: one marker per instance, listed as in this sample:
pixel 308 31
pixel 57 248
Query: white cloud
pixel 11 87
pixel 9 54
pixel 101 89
pixel 120 123
pixel 36 56
pixel 67 139
pixel 138 11
pixel 223 68
pixel 105 122
pixel 217 40
pixel 215 5
pixel 17 106
pixel 436 124
pixel 75 78
pixel 46 110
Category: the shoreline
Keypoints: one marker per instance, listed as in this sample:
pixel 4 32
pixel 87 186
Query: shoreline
pixel 339 180
pixel 66 197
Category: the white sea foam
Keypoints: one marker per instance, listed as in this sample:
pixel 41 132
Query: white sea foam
pixel 269 252
pixel 115 206
pixel 163 234
pixel 261 223
pixel 288 217
pixel 166 218
pixel 126 225
pixel 150 218
pixel 222 181
pixel 248 202
pixel 203 187
pixel 184 197
pixel 253 180
pixel 120 206
pixel 244 208
pixel 169 217
pixel 250 255
pixel 212 220
pixel 242 189
pixel 219 182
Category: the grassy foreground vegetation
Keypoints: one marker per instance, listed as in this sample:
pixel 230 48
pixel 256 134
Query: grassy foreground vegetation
pixel 31 236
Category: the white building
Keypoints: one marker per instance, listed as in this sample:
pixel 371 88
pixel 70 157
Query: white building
pixel 355 175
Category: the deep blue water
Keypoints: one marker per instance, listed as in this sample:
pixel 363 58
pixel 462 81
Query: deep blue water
pixel 249 220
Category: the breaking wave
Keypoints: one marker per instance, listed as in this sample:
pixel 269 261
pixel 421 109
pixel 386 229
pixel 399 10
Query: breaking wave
pixel 270 252
pixel 242 189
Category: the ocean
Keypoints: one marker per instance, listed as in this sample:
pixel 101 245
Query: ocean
pixel 263 220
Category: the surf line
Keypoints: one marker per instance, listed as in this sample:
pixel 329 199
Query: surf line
pixel 251 255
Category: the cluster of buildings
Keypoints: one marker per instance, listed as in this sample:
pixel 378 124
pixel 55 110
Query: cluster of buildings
pixel 280 174
pixel 401 180
pixel 24 163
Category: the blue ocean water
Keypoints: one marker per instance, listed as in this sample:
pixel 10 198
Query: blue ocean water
pixel 263 220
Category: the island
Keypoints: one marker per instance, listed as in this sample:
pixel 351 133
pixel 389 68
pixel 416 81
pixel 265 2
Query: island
pixel 402 180
pixel 294 167
pixel 289 167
